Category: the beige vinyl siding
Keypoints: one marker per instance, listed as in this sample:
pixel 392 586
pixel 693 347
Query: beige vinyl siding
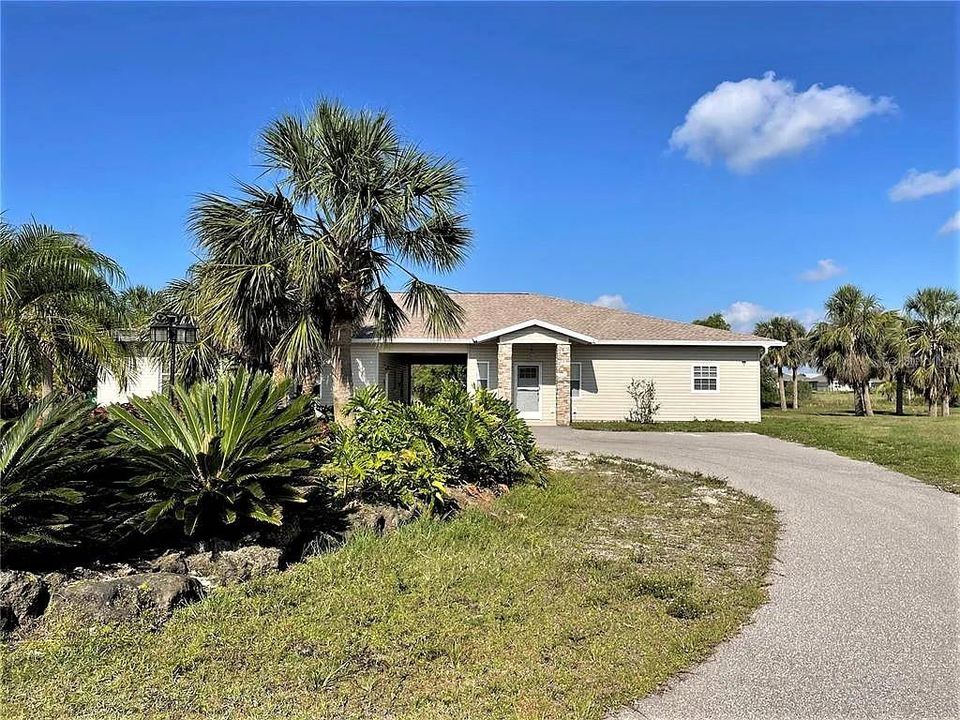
pixel 366 371
pixel 546 356
pixel 608 369
pixel 486 352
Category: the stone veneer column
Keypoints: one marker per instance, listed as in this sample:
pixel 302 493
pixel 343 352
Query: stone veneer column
pixel 505 371
pixel 563 383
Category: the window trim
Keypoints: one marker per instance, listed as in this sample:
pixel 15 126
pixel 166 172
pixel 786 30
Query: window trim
pixel 483 377
pixel 576 393
pixel 693 377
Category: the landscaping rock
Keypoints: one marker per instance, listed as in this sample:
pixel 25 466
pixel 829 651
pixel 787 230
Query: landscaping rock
pixel 23 596
pixel 380 519
pixel 233 566
pixel 153 595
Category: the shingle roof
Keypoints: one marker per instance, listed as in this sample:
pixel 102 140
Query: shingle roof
pixel 487 312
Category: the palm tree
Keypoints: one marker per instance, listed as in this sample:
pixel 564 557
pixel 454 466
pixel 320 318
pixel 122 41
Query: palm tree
pixel 933 334
pixel 898 359
pixel 58 312
pixel 795 352
pixel 139 304
pixel 290 274
pixel 848 345
pixel 776 328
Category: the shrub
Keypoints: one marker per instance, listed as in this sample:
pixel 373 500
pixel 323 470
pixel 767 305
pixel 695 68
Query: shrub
pixel 482 439
pixel 45 456
pixel 770 394
pixel 408 455
pixel 226 458
pixel 644 396
pixel 386 456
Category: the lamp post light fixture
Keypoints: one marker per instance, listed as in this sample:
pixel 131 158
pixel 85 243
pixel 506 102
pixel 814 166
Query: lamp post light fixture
pixel 173 330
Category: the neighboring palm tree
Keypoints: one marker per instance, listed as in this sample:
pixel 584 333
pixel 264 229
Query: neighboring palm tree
pixel 898 359
pixel 139 304
pixel 290 275
pixel 933 334
pixel 848 345
pixel 776 329
pixel 58 312
pixel 796 353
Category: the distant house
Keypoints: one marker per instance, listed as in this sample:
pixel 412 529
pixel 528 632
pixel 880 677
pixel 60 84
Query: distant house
pixel 821 383
pixel 558 360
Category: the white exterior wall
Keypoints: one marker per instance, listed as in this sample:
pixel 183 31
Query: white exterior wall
pixel 144 380
pixel 607 370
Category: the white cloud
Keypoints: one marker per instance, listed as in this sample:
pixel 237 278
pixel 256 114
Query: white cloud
pixel 743 315
pixel 915 185
pixel 757 119
pixel 611 301
pixel 952 225
pixel 824 270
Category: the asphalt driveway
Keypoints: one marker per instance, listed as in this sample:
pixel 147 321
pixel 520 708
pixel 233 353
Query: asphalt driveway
pixel 865 596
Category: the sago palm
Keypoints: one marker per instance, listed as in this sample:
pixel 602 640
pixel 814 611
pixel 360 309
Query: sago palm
pixel 47 455
pixel 933 335
pixel 290 274
pixel 227 456
pixel 848 345
pixel 58 312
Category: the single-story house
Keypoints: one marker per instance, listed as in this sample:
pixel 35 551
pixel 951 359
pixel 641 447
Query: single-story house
pixel 821 383
pixel 559 360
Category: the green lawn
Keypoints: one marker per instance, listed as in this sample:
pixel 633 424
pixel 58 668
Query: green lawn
pixel 556 602
pixel 923 447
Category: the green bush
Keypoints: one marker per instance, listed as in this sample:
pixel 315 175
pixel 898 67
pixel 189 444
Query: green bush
pixel 770 394
pixel 481 438
pixel 46 457
pixel 387 455
pixel 226 458
pixel 409 455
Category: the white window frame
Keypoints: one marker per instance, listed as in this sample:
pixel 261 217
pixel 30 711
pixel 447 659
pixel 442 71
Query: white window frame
pixel 483 377
pixel 579 367
pixel 693 377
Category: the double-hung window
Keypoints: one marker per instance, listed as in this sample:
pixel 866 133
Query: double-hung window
pixel 705 378
pixel 483 374
pixel 576 370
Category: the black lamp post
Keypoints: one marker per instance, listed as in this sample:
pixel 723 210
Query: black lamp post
pixel 173 330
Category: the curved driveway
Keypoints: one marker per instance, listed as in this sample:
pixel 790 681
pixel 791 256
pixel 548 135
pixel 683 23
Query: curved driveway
pixel 863 614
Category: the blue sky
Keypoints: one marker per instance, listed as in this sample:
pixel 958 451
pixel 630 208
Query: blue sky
pixel 114 116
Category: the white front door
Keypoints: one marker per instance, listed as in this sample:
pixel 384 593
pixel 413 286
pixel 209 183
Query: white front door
pixel 526 392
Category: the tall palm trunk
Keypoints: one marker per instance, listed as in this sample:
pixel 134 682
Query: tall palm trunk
pixel 341 363
pixel 781 388
pixel 796 393
pixel 946 405
pixel 867 405
pixel 900 383
pixel 931 404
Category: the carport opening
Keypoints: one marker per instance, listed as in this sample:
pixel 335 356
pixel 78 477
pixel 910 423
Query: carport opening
pixel 418 378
